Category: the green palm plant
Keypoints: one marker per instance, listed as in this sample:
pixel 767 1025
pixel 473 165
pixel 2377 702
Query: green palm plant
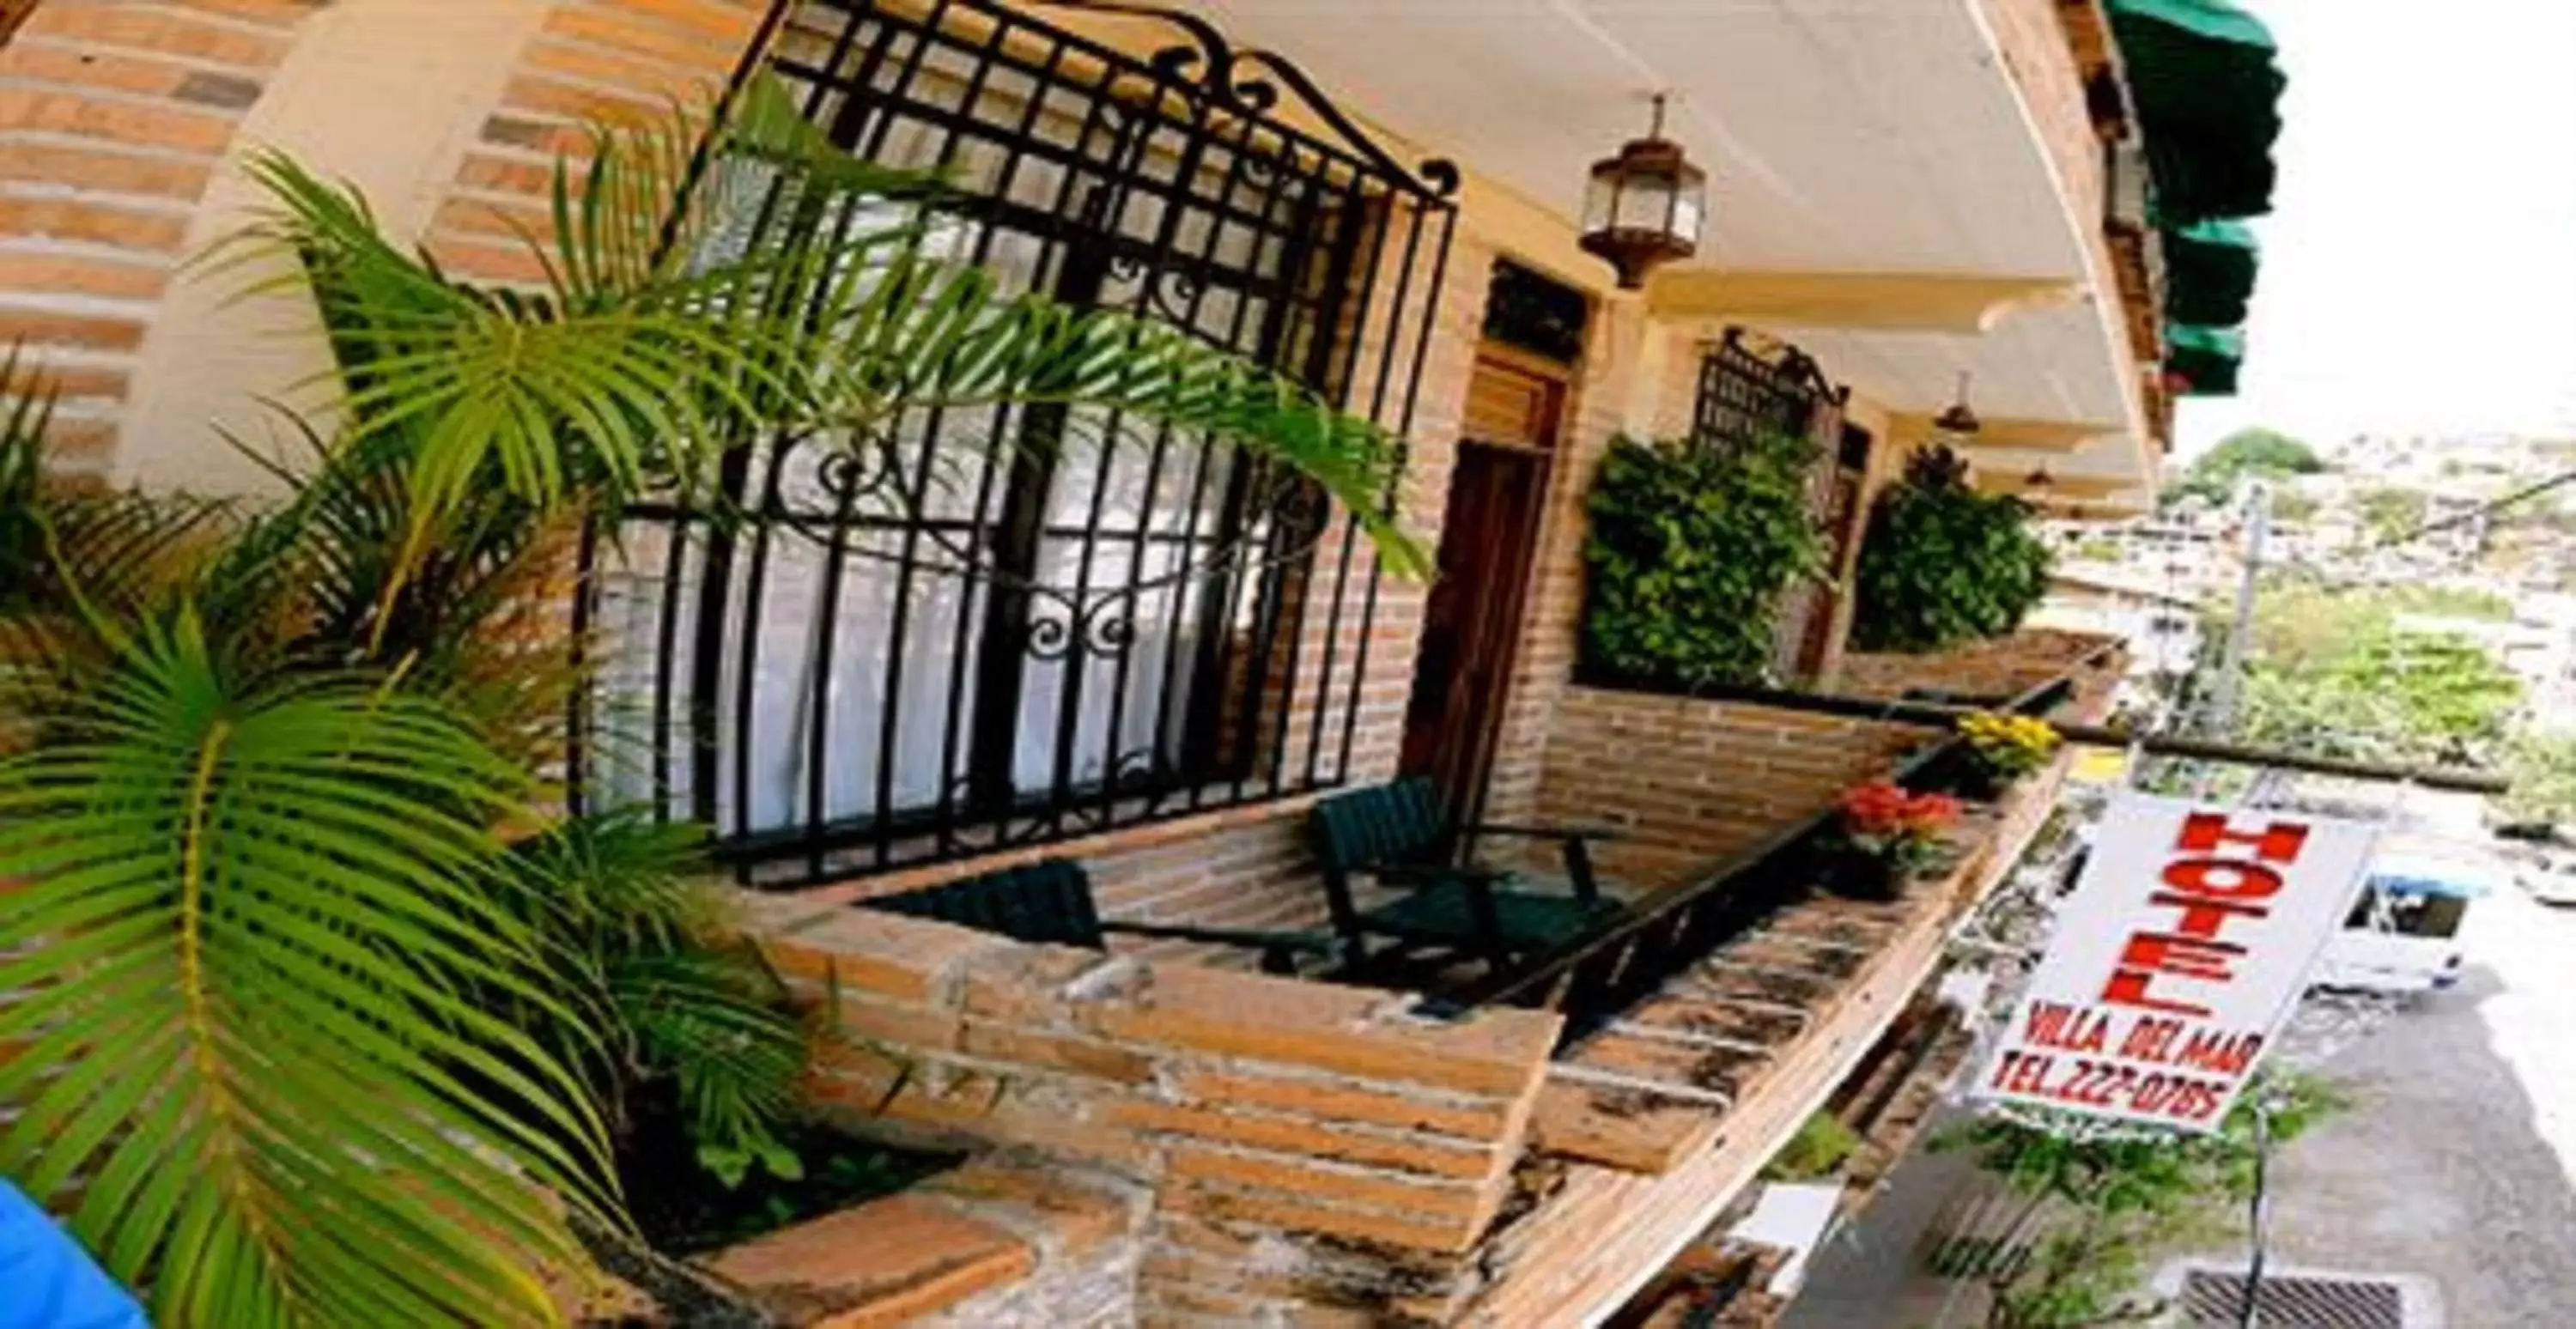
pixel 322 1018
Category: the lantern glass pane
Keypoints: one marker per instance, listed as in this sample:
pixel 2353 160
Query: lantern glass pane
pixel 1646 204
pixel 1688 216
pixel 1600 200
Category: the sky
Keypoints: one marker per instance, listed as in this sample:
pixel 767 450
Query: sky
pixel 2419 266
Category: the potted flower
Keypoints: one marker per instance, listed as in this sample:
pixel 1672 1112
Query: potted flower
pixel 1888 836
pixel 2002 749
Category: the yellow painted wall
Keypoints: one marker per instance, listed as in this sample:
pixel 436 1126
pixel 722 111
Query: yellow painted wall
pixel 385 94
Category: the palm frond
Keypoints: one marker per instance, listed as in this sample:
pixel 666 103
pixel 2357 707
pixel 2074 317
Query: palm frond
pixel 707 1020
pixel 249 967
pixel 641 941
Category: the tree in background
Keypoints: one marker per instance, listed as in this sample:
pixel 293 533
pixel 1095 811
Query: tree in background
pixel 2256 452
pixel 2093 1213
pixel 2543 767
pixel 2390 514
pixel 2332 672
pixel 1943 563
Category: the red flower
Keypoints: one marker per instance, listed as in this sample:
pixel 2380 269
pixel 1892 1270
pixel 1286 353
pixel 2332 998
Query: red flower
pixel 1882 808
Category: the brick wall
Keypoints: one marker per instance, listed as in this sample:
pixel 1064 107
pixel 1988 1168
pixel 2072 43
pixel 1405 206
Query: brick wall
pixel 591 60
pixel 995 1242
pixel 113 119
pixel 120 127
pixel 2002 667
pixel 1552 618
pixel 1690 781
pixel 1302 1143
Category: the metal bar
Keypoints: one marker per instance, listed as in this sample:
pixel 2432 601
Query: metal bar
pixel 2459 778
pixel 931 82
pixel 1721 887
pixel 1395 484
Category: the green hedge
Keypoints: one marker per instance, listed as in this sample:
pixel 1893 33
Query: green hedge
pixel 1690 555
pixel 1945 564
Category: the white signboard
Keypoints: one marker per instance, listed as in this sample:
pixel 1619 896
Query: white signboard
pixel 2175 960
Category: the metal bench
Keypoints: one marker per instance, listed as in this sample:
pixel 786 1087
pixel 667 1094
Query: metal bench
pixel 1051 902
pixel 1398 835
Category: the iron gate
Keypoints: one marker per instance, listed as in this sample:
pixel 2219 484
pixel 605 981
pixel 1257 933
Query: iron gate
pixel 1750 387
pixel 1024 623
pixel 1747 390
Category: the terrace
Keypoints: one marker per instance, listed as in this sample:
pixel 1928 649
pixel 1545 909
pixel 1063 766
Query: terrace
pixel 1467 1140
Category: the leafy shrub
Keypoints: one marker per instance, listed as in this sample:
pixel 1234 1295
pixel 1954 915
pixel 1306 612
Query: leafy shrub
pixel 1816 1152
pixel 1945 564
pixel 1691 553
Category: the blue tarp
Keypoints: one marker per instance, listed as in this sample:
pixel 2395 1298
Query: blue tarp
pixel 47 1281
pixel 2411 876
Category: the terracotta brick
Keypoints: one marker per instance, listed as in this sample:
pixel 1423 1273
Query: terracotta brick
pixel 634 73
pixel 37 327
pixel 1306 1216
pixel 1078 1218
pixel 269 13
pixel 60 63
pixel 869 1018
pixel 1487 1120
pixel 1349 1030
pixel 1186 1232
pixel 1336 1185
pixel 728 24
pixel 1430 1155
pixel 492 222
pixel 113 121
pixel 1025 983
pixel 94 169
pixel 92 223
pixel 589 23
pixel 883 1263
pixel 137 29
pixel 554 140
pixel 75 382
pixel 1082 1056
pixel 484 170
pixel 75 274
pixel 910 958
pixel 501 263
pixel 80 442
pixel 534 95
pixel 1167 1267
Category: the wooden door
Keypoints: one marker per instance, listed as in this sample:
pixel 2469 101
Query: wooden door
pixel 1472 620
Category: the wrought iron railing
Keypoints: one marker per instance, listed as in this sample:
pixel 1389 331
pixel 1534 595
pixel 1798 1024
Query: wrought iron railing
pixel 1748 390
pixel 1003 625
pixel 1596 977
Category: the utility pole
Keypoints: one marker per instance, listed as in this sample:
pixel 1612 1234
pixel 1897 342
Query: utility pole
pixel 2220 719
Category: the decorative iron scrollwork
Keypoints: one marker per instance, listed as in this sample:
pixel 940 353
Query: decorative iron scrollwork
pixel 1246 82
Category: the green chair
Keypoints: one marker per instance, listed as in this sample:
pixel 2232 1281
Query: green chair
pixel 1051 902
pixel 1398 835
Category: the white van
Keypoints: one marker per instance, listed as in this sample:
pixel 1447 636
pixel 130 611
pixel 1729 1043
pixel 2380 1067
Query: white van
pixel 2402 936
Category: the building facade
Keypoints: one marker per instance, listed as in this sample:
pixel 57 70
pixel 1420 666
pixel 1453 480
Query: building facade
pixel 1911 209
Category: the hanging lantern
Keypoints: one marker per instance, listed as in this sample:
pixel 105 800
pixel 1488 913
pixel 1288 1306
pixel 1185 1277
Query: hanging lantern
pixel 1960 421
pixel 1646 206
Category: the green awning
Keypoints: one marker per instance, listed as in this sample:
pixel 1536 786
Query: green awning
pixel 2208 90
pixel 2209 272
pixel 2202 361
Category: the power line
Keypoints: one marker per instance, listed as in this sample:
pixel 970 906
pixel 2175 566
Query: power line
pixel 2479 513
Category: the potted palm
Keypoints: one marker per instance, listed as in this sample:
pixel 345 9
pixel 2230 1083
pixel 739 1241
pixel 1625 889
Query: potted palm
pixel 2002 749
pixel 1887 837
pixel 322 1006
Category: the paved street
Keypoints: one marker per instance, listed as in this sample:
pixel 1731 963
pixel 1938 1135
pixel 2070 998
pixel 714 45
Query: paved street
pixel 2457 1163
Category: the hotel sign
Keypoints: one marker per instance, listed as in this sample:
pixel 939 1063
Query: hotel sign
pixel 2174 962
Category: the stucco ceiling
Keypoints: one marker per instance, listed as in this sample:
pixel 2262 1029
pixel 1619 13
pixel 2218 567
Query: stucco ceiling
pixel 1841 136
